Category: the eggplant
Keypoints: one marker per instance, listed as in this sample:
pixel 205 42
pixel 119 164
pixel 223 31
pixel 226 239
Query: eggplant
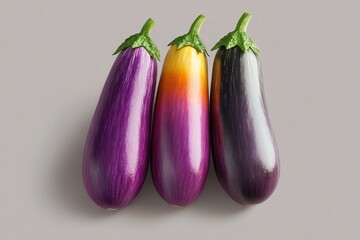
pixel 180 135
pixel 116 151
pixel 245 153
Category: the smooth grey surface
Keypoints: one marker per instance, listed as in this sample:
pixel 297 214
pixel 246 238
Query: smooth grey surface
pixel 54 59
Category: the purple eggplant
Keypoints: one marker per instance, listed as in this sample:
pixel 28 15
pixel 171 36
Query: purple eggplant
pixel 117 146
pixel 180 137
pixel 245 153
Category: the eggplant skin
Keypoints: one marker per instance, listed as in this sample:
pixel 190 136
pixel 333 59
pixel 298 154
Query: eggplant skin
pixel 180 135
pixel 245 153
pixel 117 146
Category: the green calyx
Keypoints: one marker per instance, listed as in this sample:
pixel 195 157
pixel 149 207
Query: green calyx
pixel 239 37
pixel 192 38
pixel 142 39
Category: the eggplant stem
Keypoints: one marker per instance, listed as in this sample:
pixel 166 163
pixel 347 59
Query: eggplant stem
pixel 243 22
pixel 146 29
pixel 195 27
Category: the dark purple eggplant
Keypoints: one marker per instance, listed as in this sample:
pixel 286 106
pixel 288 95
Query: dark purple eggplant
pixel 117 146
pixel 245 153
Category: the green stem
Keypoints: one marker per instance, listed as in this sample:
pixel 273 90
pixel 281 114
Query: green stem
pixel 142 39
pixel 243 22
pixel 238 37
pixel 146 29
pixel 195 27
pixel 192 38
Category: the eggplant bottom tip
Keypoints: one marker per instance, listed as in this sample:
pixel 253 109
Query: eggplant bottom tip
pixel 112 209
pixel 175 206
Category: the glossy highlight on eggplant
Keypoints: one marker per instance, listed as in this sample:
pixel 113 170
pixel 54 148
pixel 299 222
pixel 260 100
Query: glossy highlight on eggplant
pixel 245 153
pixel 180 136
pixel 117 146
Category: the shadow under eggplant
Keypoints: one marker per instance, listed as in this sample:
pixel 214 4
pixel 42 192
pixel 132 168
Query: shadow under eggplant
pixel 68 184
pixel 213 201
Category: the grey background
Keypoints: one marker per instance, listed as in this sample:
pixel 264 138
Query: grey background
pixel 55 56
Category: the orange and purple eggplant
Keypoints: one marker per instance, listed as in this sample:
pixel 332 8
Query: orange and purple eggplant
pixel 180 137
pixel 245 153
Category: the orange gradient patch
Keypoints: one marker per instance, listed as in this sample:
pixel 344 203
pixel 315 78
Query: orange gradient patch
pixel 184 73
